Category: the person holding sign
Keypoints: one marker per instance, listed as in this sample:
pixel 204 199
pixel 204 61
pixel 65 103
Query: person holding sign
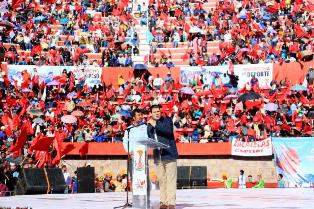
pixel 161 129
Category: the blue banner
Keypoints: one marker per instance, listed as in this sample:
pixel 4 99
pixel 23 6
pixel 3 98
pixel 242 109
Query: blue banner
pixel 295 160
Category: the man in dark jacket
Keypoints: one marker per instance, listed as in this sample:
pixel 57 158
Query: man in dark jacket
pixel 161 129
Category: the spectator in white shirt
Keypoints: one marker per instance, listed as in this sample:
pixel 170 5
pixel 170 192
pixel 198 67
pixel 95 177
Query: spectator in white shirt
pixel 67 178
pixel 242 180
pixel 158 82
pixel 225 79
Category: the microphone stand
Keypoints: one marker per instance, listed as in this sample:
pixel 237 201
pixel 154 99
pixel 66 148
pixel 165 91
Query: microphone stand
pixel 127 204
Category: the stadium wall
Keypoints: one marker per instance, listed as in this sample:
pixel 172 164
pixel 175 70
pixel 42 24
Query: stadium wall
pixel 111 157
pixel 216 165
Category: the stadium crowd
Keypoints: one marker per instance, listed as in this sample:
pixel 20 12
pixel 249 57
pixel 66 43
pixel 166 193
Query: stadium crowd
pixel 247 31
pixel 36 116
pixel 68 33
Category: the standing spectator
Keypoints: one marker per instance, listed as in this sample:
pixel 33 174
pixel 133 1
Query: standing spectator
pixel 310 76
pixel 169 81
pixel 281 183
pixel 67 178
pixel 242 180
pixel 175 39
pixel 158 82
pixel 3 50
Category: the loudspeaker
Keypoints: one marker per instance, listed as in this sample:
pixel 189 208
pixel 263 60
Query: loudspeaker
pixel 56 180
pixel 86 180
pixel 183 177
pixel 199 176
pixel 191 177
pixel 34 181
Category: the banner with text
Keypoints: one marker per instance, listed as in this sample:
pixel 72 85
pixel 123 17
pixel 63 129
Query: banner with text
pixel 263 72
pixel 256 148
pixel 295 160
pixel 191 74
pixel 91 74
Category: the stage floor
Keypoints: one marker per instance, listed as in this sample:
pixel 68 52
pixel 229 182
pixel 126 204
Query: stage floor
pixel 186 199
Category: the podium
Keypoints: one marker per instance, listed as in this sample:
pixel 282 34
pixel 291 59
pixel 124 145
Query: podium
pixel 140 170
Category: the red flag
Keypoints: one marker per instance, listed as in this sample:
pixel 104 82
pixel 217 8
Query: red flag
pixel 169 53
pixel 125 2
pixel 16 4
pixel 41 143
pixel 21 140
pixel 115 12
pixel 84 149
pixel 163 16
pixel 50 1
pixel 57 144
pixel 178 13
pixel 162 54
pixel 185 57
pixel 231 67
pixel 42 157
pixel 124 19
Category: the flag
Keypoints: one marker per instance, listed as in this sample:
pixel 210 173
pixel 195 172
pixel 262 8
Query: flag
pixel 16 4
pixel 41 143
pixel 42 157
pixel 124 19
pixel 163 16
pixel 185 56
pixel 84 149
pixel 231 67
pixel 21 140
pixel 115 12
pixel 43 97
pixel 178 13
pixel 170 55
pixel 57 145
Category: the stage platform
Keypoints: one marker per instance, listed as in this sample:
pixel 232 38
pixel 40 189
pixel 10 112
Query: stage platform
pixel 186 199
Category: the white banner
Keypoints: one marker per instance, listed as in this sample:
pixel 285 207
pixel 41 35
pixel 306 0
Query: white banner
pixel 263 72
pixel 46 73
pixel 189 74
pixel 256 148
pixel 139 184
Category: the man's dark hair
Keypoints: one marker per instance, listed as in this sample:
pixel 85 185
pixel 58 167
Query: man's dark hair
pixel 281 176
pixel 154 106
pixel 242 172
pixel 136 110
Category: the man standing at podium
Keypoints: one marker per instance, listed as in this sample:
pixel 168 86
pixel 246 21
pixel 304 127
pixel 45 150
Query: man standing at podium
pixel 136 132
pixel 161 129
pixel 138 128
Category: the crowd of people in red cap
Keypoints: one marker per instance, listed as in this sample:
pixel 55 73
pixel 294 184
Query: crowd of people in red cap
pixel 34 123
pixel 247 31
pixel 62 33
pixel 36 118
